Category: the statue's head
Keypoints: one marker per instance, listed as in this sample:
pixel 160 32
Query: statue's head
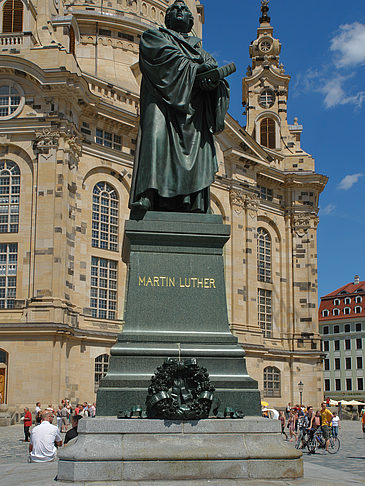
pixel 179 18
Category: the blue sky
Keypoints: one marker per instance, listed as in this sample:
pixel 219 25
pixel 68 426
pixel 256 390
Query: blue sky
pixel 323 49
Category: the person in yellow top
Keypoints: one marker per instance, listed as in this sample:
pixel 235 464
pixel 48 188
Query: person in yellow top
pixel 326 419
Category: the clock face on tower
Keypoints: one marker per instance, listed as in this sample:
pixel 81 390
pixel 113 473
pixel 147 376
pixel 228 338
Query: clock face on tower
pixel 265 45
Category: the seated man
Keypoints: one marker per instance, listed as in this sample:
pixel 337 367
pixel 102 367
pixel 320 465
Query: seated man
pixel 44 439
pixel 72 433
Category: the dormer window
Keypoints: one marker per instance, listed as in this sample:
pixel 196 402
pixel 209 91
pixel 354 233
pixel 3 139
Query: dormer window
pixel 267 98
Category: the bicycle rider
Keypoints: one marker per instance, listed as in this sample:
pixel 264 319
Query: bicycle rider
pixel 326 420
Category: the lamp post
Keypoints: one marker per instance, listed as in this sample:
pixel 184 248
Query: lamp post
pixel 301 388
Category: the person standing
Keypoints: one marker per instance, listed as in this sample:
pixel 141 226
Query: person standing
pixel 27 424
pixel 64 418
pixel 37 413
pixel 59 417
pixel 287 410
pixel 326 420
pixel 92 410
pixel 44 439
pixel 283 422
pixel 292 423
pixel 335 424
pixel 363 422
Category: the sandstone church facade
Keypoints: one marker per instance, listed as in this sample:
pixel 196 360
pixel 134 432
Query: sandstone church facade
pixel 69 111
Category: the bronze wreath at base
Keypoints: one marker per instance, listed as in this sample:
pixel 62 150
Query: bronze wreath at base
pixel 180 390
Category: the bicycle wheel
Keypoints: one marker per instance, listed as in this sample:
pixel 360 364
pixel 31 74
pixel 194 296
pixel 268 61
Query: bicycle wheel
pixel 334 445
pixel 298 442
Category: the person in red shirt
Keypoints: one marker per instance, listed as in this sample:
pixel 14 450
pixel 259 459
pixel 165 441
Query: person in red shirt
pixel 27 424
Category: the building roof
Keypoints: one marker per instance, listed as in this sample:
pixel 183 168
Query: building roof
pixel 351 290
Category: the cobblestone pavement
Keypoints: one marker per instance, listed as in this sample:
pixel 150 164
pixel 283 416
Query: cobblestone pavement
pixel 345 468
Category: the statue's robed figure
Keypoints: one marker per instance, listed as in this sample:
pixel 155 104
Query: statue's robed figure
pixel 175 160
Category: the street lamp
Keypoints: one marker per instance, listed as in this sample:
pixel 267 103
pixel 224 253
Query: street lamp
pixel 301 388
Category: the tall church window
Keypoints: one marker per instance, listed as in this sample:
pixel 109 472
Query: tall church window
pixel 103 291
pixel 101 369
pixel 264 299
pixel 263 255
pixel 13 16
pixel 9 196
pixel 267 133
pixel 8 269
pixel 105 217
pixel 272 382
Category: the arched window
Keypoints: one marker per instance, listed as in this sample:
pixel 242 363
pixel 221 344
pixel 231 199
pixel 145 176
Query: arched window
pixel 101 369
pixel 325 313
pixel 13 16
pixel 336 302
pixel 9 196
pixel 3 374
pixel 336 312
pixel 347 300
pixel 263 255
pixel 267 133
pixel 358 309
pixel 347 310
pixel 72 41
pixel 358 299
pixel 272 382
pixel 105 217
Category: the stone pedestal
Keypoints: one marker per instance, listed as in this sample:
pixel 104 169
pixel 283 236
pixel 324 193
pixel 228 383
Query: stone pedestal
pixel 176 307
pixel 5 416
pixel 138 450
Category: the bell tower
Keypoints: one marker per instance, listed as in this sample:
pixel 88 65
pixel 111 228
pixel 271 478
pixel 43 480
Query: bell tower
pixel 265 96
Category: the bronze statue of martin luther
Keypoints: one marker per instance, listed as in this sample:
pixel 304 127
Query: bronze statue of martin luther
pixel 181 109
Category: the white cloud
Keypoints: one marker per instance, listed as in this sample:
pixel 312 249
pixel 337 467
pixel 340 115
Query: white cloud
pixel 335 94
pixel 349 44
pixel 349 180
pixel 328 209
pixel 332 85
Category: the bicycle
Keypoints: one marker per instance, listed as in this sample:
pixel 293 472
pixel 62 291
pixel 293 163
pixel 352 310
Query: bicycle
pixel 319 442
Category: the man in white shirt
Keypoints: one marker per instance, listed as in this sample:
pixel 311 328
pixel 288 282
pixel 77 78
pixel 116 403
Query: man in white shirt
pixel 44 439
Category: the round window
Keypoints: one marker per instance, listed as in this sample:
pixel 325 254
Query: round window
pixel 265 46
pixel 267 98
pixel 11 99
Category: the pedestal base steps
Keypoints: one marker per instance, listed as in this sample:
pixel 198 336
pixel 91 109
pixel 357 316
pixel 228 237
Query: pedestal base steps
pixel 132 450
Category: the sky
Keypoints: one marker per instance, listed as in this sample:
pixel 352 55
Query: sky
pixel 323 49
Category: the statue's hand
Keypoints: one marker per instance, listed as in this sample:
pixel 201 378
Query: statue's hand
pixel 207 84
pixel 206 66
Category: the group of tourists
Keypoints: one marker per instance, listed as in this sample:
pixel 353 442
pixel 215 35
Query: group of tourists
pixel 45 438
pixel 298 418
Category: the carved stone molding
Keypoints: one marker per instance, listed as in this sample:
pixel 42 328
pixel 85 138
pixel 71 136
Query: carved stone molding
pixel 302 222
pixel 252 202
pixel 237 199
pixel 46 139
